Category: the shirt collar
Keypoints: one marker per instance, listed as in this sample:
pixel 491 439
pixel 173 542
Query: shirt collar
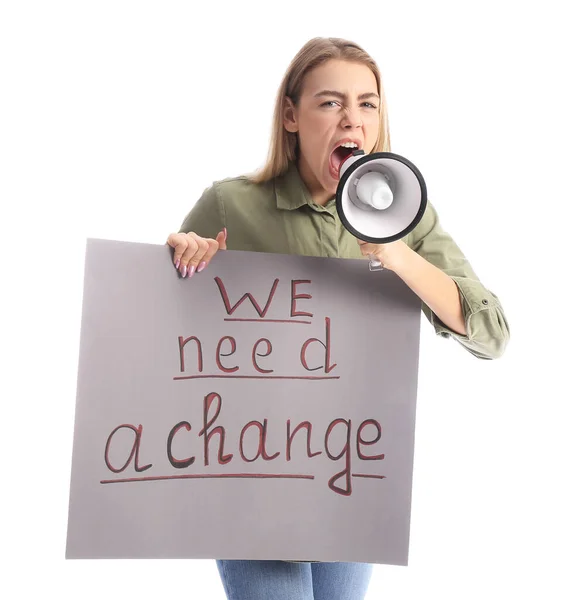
pixel 291 191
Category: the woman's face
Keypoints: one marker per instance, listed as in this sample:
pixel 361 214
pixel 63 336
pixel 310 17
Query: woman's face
pixel 339 103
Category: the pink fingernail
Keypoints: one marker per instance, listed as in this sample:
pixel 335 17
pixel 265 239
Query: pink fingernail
pixel 225 234
pixel 183 271
pixel 177 263
pixel 201 266
pixel 191 271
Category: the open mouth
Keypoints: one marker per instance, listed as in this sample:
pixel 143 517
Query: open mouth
pixel 337 157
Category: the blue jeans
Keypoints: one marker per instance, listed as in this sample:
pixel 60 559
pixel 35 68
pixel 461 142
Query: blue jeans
pixel 278 580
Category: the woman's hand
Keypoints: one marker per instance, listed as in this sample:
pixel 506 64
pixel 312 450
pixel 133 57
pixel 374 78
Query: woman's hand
pixel 390 255
pixel 193 253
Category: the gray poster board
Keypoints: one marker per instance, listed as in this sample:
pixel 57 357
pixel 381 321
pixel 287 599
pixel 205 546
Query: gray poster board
pixel 211 424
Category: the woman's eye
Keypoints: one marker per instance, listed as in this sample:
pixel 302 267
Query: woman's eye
pixel 365 104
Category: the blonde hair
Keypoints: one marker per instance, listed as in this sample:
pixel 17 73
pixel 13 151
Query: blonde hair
pixel 283 145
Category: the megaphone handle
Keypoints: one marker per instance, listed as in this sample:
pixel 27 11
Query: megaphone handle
pixel 374 264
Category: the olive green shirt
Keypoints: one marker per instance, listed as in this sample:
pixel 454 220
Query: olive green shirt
pixel 280 216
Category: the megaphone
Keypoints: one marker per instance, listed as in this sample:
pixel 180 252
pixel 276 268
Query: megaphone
pixel 381 197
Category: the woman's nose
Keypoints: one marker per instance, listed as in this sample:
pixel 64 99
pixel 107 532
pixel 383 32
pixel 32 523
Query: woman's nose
pixel 352 119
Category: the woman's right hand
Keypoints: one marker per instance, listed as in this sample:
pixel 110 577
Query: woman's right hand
pixel 192 252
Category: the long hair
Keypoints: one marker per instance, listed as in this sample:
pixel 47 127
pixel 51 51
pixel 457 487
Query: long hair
pixel 284 145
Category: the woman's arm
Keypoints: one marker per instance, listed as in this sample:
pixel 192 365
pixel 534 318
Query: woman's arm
pixel 207 217
pixel 454 300
pixel 436 289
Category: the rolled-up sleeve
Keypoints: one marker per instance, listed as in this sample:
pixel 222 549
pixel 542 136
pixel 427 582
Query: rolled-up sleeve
pixel 487 329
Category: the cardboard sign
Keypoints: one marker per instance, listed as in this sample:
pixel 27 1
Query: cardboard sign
pixel 263 409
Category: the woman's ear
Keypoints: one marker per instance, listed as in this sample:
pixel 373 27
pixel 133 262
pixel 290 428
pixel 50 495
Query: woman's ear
pixel 290 116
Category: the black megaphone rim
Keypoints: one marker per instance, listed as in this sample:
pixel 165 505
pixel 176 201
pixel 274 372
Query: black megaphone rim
pixel 355 165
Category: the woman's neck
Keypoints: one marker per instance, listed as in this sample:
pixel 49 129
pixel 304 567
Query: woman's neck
pixel 318 194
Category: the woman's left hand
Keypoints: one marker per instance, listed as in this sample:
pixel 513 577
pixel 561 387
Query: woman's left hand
pixel 390 255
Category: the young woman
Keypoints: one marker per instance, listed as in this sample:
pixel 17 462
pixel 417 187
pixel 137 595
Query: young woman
pixel 330 99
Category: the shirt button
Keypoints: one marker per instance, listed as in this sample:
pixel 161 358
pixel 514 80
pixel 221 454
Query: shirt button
pixel 484 301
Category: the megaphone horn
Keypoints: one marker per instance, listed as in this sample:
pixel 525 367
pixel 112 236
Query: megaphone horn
pixel 381 197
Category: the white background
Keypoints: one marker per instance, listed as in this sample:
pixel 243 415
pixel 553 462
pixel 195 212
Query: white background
pixel 116 115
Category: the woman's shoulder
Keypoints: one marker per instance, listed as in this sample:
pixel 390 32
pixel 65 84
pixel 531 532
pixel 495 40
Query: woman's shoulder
pixel 242 189
pixel 235 202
